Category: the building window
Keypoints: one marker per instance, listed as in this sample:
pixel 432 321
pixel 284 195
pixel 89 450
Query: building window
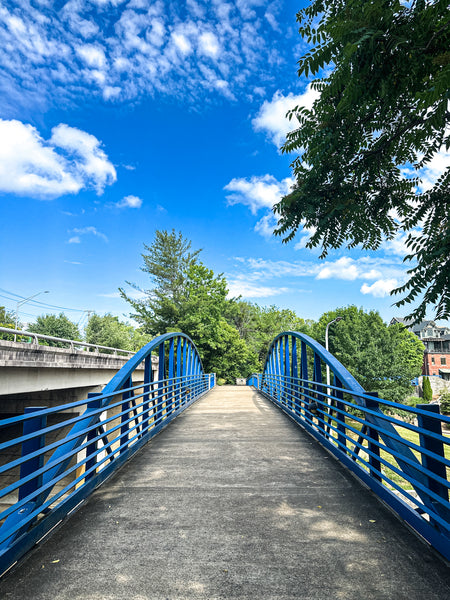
pixel 443 360
pixel 432 360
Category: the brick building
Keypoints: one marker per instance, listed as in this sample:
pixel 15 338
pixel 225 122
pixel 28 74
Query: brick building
pixel 436 357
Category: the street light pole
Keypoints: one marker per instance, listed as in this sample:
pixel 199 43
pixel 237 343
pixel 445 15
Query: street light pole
pixel 326 347
pixel 20 304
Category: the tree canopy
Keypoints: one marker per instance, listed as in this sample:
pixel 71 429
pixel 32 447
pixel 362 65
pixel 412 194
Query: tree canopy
pixel 108 330
pixel 55 326
pixel 7 319
pixel 383 358
pixel 382 110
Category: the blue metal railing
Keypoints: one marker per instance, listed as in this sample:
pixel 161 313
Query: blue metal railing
pixel 399 451
pixel 57 457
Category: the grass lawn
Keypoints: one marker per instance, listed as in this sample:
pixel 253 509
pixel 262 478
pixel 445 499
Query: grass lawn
pixel 408 436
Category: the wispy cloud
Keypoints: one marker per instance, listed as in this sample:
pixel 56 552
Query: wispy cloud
pixel 71 160
pixel 129 202
pixel 86 231
pixel 379 275
pixel 246 289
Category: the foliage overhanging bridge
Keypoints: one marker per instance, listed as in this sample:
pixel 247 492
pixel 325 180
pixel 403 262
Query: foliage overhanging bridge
pixel 57 458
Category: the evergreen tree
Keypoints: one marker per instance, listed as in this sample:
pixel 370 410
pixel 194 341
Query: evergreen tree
pixel 427 393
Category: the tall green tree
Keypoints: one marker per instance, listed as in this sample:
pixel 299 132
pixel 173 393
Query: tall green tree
pixel 383 106
pixel 55 326
pixel 383 358
pixel 187 296
pixel 167 261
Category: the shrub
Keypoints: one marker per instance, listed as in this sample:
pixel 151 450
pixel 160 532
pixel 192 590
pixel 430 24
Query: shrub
pixel 445 403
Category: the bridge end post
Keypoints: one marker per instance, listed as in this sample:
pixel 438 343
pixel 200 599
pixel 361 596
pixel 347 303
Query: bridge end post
pixel 432 425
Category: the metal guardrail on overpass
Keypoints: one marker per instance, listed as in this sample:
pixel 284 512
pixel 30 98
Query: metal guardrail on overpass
pixel 72 343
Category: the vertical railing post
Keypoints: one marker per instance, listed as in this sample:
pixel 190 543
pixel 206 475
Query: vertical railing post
pixel 432 425
pixel 304 374
pixel 184 371
pixel 188 374
pixel 317 378
pixel 294 377
pixel 373 446
pixel 280 370
pixel 340 416
pixel 287 372
pixel 124 416
pixel 161 377
pixel 170 398
pixel 91 449
pixel 30 426
pixel 178 370
pixel 148 379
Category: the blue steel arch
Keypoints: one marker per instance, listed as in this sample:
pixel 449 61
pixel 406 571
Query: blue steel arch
pixel 285 381
pixel 181 380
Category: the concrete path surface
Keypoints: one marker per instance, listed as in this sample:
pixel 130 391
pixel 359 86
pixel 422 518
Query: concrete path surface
pixel 232 500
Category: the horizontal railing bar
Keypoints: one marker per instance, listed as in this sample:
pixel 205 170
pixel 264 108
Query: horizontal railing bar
pixel 55 409
pixel 77 435
pixel 8 533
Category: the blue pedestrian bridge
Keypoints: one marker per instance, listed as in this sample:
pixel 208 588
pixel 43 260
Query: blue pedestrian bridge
pixel 287 471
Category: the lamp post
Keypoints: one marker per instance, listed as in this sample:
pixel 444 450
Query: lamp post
pixel 326 347
pixel 23 302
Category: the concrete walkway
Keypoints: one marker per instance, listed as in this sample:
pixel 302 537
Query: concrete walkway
pixel 232 500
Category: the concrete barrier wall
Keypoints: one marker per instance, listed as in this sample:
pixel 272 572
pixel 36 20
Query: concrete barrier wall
pixel 30 373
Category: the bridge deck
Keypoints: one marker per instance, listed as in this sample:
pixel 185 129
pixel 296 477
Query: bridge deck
pixel 232 500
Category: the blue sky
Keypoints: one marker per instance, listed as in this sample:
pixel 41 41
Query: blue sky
pixel 120 117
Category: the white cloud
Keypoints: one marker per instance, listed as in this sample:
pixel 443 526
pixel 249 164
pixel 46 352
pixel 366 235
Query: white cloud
pixel 129 202
pixel 380 288
pixel 74 240
pixel 258 191
pixel 439 163
pixel 305 235
pixel 90 230
pixel 92 56
pixel 94 165
pixel 209 44
pixel 266 225
pixel 182 43
pixel 397 245
pixel 70 161
pixel 140 47
pixel 271 117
